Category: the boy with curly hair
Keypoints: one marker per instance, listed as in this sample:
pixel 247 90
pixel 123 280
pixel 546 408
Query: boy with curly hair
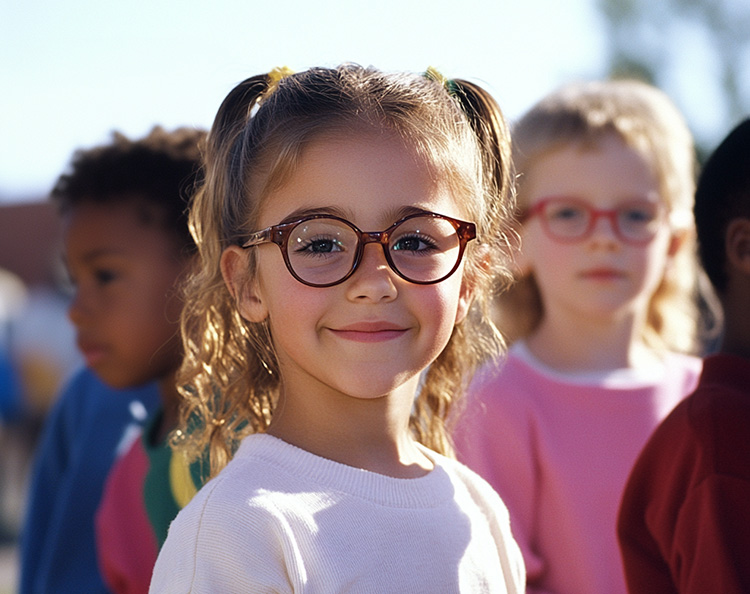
pixel 127 246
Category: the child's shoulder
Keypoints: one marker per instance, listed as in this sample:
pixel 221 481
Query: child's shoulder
pixel 238 494
pixel 516 363
pixel 227 529
pixel 480 491
pixel 515 380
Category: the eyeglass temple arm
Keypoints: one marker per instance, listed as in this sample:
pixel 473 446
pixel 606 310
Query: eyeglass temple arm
pixel 262 236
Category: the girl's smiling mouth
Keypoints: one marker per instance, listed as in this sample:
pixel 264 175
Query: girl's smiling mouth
pixel 370 332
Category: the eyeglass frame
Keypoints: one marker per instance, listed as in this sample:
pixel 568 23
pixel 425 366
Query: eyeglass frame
pixel 596 213
pixel 279 234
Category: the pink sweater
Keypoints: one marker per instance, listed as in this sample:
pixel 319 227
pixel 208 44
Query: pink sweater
pixel 558 448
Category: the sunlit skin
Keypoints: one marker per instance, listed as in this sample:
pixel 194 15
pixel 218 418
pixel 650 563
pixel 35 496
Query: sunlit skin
pixel 351 354
pixel 595 291
pixel 125 308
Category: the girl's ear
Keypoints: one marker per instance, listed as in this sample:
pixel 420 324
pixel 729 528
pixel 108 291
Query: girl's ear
pixel 737 245
pixel 246 295
pixel 678 239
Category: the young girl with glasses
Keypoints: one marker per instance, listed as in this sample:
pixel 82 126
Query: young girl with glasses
pixel 600 322
pixel 350 231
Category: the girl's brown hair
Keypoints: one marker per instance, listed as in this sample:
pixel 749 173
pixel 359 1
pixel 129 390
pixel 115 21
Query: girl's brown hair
pixel 230 376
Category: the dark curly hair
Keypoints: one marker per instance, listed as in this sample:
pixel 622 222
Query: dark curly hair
pixel 159 170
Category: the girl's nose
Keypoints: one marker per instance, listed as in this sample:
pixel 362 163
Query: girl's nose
pixel 373 279
pixel 603 230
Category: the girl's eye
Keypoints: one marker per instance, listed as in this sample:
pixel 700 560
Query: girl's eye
pixel 414 243
pixel 638 214
pixel 321 246
pixel 566 213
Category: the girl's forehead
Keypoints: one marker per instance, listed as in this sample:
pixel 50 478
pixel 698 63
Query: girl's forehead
pixel 373 178
pixel 608 171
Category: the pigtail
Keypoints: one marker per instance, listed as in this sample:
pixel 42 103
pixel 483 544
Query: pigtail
pixel 227 128
pixel 476 340
pixel 237 106
pixel 491 130
pixel 493 133
pixel 226 387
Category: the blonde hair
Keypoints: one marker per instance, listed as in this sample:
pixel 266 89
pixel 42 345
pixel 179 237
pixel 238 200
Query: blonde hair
pixel 230 375
pixel 647 121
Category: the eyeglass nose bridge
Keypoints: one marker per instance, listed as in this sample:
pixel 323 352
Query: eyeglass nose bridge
pixel 365 237
pixel 603 214
pixel 380 237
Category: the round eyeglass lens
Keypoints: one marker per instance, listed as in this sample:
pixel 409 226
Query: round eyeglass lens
pixel 424 249
pixel 322 251
pixel 567 220
pixel 638 221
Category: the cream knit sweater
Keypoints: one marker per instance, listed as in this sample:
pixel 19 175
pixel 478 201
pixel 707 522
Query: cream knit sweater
pixel 280 519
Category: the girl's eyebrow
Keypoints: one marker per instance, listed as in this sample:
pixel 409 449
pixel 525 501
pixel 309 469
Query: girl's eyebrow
pixel 649 197
pixel 97 253
pixel 404 211
pixel 91 257
pixel 392 215
pixel 301 213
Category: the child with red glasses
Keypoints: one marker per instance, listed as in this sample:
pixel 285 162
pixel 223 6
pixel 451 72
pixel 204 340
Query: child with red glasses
pixel 349 232
pixel 600 321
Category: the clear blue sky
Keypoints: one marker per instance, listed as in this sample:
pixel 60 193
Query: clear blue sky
pixel 73 70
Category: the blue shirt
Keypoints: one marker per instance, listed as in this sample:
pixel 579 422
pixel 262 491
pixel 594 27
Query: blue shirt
pixel 86 428
pixel 10 391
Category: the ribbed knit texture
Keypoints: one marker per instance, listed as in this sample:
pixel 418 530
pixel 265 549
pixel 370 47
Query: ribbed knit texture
pixel 280 519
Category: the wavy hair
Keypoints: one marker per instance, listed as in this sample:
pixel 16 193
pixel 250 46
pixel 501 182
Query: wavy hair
pixel 230 375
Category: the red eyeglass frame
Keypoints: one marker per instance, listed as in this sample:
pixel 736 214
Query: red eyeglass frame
pixel 596 213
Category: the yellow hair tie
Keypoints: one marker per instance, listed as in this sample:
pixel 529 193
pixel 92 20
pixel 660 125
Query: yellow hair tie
pixel 275 76
pixel 434 74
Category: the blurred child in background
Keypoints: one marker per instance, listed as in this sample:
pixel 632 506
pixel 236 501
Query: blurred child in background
pixel 601 318
pixel 127 247
pixel 684 524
